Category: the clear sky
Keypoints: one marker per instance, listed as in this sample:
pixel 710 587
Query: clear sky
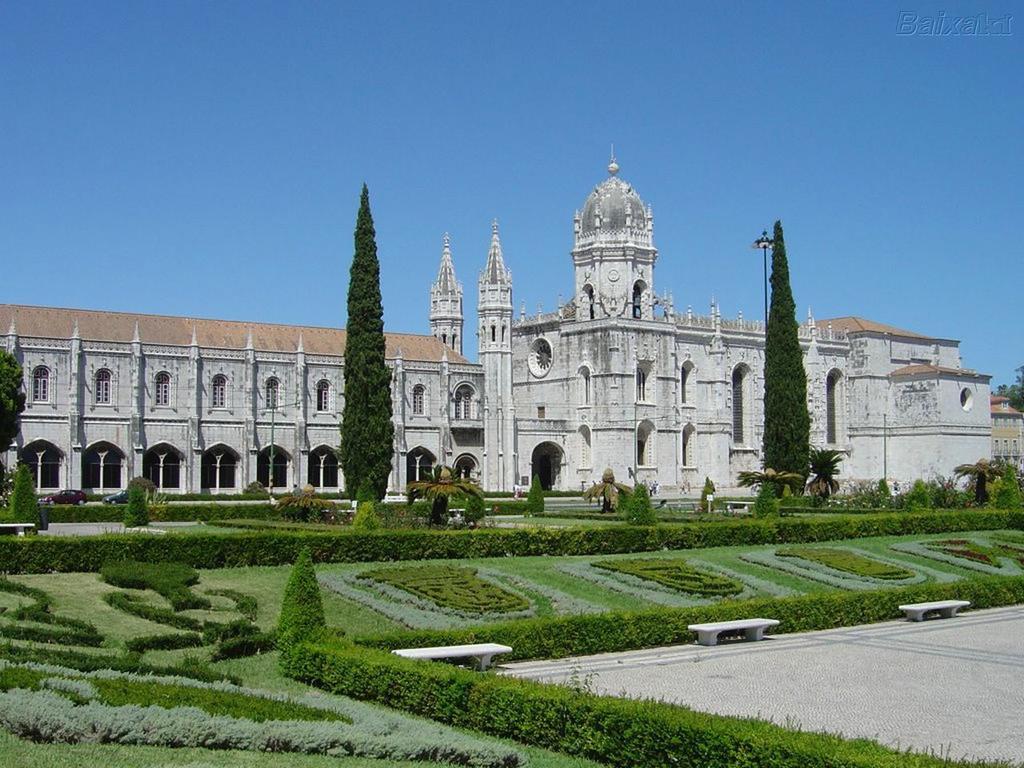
pixel 205 158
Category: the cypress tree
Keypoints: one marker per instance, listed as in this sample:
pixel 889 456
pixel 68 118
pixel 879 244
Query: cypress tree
pixel 12 402
pixel 367 433
pixel 787 424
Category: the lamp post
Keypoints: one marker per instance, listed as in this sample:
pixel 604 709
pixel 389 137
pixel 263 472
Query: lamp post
pixel 764 243
pixel 273 413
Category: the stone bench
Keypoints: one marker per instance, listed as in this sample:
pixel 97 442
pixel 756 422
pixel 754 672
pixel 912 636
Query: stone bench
pixel 753 629
pixel 18 528
pixel 946 609
pixel 481 653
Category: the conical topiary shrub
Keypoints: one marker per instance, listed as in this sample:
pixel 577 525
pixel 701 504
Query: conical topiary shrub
pixel 302 612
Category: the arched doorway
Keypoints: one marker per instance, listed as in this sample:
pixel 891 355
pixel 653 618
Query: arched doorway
pixel 419 464
pixel 218 469
pixel 323 468
pixel 546 464
pixel 44 460
pixel 102 467
pixel 465 467
pixel 162 465
pixel 281 461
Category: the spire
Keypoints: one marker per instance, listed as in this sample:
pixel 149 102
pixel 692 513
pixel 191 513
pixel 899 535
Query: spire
pixel 495 271
pixel 301 347
pixel 195 337
pixel 446 282
pixel 75 334
pixel 135 333
pixel 11 330
pixel 613 167
pixel 248 339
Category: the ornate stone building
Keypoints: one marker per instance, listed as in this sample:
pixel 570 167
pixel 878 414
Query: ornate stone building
pixel 616 377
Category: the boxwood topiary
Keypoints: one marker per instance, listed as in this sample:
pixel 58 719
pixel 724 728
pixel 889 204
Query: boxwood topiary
pixel 302 612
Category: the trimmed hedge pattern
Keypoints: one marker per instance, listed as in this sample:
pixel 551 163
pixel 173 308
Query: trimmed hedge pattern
pixel 43 554
pixel 559 637
pixel 458 588
pixel 675 573
pixel 848 562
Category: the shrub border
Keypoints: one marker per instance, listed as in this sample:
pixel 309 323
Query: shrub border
pixel 45 554
pixel 580 635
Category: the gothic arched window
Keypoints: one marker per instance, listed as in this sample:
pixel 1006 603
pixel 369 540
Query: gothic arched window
pixel 831 387
pixel 41 384
pixel 219 391
pixel 584 386
pixel 738 380
pixel 323 395
pixel 418 398
pixel 464 402
pixel 638 295
pixel 163 389
pixel 103 378
pixel 272 390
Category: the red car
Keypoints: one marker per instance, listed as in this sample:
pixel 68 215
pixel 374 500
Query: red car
pixel 64 497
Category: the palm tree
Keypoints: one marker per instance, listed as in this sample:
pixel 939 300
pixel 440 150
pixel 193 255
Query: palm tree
pixel 825 467
pixel 768 475
pixel 608 491
pixel 980 474
pixel 439 490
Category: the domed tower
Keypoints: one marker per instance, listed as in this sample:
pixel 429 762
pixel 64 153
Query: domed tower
pixel 613 252
pixel 446 302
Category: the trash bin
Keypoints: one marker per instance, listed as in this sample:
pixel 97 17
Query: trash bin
pixel 44 518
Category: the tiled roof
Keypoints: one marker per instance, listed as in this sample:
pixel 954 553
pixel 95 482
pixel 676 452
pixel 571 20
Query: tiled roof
pixel 95 325
pixel 1005 410
pixel 855 324
pixel 916 370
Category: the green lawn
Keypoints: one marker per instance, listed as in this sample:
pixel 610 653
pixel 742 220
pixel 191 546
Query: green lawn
pixel 551 585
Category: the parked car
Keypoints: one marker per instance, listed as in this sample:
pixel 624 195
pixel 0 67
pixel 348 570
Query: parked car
pixel 121 497
pixel 66 496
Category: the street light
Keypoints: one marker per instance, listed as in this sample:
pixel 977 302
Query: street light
pixel 764 243
pixel 273 412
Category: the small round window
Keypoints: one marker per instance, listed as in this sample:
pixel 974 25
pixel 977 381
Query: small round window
pixel 966 399
pixel 540 358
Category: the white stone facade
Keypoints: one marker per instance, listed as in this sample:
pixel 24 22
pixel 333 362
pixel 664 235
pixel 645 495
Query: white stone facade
pixel 616 377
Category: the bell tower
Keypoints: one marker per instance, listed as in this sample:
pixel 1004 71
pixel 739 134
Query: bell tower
pixel 446 302
pixel 495 338
pixel 613 252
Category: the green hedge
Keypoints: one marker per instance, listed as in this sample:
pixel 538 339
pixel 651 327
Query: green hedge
pixel 614 731
pixel 559 637
pixel 114 513
pixel 44 554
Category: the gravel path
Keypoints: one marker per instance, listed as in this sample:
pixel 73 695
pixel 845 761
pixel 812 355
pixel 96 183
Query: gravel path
pixel 952 686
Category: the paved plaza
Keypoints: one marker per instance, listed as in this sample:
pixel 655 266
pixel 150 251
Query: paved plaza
pixel 954 687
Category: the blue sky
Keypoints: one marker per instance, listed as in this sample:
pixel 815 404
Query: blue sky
pixel 206 158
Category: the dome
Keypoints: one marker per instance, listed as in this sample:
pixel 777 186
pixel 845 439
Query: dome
pixel 613 206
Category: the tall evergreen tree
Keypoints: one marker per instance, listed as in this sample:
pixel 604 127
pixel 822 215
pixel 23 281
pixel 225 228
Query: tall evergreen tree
pixel 787 424
pixel 12 401
pixel 367 433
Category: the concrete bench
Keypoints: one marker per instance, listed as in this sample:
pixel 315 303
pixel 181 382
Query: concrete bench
pixel 18 528
pixel 479 652
pixel 753 629
pixel 739 507
pixel 946 609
